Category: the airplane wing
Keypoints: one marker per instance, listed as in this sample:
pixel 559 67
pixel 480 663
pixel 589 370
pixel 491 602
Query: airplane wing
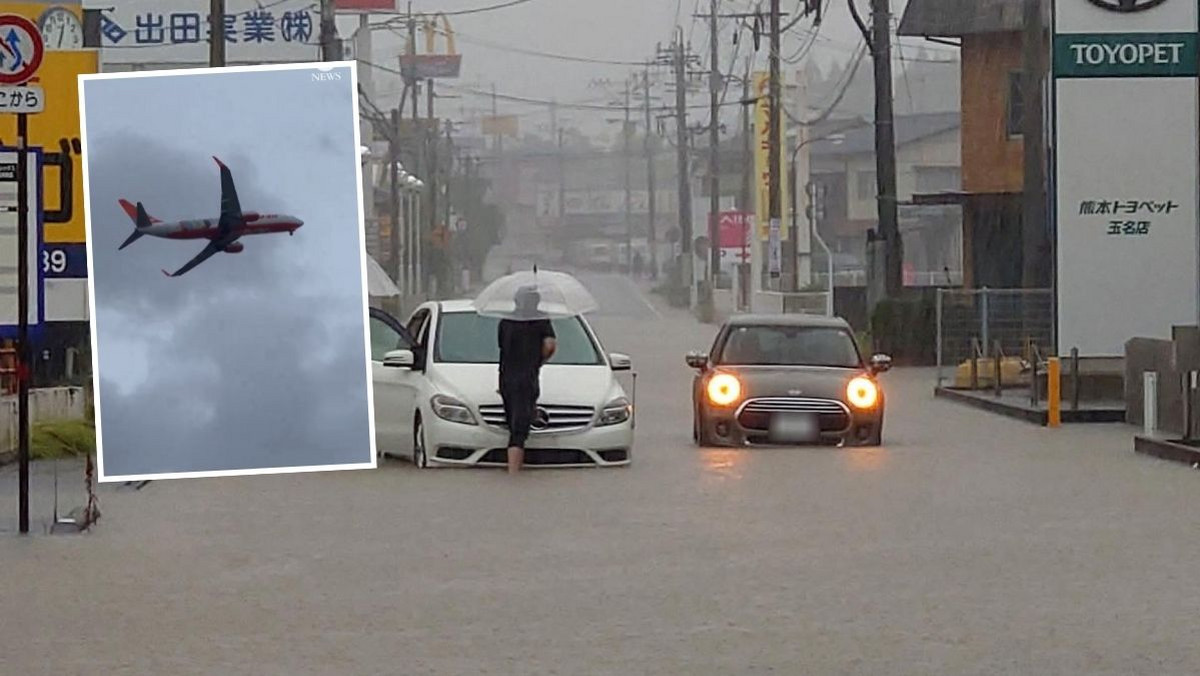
pixel 231 208
pixel 204 255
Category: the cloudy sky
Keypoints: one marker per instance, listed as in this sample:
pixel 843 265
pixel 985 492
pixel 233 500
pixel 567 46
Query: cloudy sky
pixel 251 360
pixel 607 30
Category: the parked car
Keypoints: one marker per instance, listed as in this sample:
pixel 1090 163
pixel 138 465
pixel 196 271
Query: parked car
pixel 437 399
pixel 786 379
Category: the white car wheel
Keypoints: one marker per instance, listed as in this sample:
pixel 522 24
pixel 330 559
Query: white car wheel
pixel 420 459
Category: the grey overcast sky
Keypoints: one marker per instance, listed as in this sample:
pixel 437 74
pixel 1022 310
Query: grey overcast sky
pixel 621 30
pixel 252 360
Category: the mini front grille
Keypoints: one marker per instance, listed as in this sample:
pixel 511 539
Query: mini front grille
pixel 834 416
pixel 559 417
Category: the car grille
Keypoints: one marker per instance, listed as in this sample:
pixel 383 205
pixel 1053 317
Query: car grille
pixel 756 414
pixel 541 456
pixel 561 418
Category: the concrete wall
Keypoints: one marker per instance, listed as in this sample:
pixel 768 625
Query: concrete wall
pixel 56 403
pixel 1149 354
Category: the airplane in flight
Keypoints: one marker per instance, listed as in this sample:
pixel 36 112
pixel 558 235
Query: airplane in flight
pixel 222 233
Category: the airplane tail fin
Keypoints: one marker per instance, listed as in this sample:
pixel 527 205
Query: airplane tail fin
pixel 140 219
pixel 138 214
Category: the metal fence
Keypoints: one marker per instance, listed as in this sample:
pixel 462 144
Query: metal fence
pixel 977 321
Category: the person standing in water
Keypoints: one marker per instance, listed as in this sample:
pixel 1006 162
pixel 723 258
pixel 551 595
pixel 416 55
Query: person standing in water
pixel 526 343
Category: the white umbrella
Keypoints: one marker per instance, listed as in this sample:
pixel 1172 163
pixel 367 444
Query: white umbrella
pixel 543 294
pixel 379 284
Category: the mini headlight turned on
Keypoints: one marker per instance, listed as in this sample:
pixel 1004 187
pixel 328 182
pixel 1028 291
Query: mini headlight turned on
pixel 452 410
pixel 616 412
pixel 724 389
pixel 862 392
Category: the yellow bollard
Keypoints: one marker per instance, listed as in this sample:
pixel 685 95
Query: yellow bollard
pixel 1053 395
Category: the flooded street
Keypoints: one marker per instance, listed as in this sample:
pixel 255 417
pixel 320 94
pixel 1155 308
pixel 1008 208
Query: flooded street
pixel 967 544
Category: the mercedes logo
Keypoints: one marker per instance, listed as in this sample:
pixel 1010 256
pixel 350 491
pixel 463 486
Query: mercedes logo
pixel 1127 5
pixel 541 419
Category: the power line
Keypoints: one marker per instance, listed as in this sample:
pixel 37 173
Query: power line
pixel 522 50
pixel 489 8
pixel 524 99
pixel 844 87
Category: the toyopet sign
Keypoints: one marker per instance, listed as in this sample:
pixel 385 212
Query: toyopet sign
pixel 1125 170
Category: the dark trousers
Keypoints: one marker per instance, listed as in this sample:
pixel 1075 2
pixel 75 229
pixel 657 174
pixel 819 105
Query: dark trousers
pixel 520 395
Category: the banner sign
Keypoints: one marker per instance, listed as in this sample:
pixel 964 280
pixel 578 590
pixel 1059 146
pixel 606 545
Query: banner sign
pixel 1125 171
pixel 762 152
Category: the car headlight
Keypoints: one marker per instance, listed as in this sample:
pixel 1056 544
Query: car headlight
pixel 452 410
pixel 862 392
pixel 616 412
pixel 724 389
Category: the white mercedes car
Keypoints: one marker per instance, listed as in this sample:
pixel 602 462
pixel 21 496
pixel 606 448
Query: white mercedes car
pixel 436 398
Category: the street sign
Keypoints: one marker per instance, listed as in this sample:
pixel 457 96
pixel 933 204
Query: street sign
pixel 426 66
pixel 22 99
pixel 21 49
pixel 9 316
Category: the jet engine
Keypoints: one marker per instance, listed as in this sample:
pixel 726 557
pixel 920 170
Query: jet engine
pixel 236 247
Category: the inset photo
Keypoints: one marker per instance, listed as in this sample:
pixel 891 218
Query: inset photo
pixel 227 261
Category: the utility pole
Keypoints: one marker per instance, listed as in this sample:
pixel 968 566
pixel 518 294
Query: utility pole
pixel 714 159
pixel 394 198
pixel 562 170
pixel 330 48
pixel 431 137
pixel 628 190
pixel 679 59
pixel 498 139
pixel 775 152
pixel 216 39
pixel 885 148
pixel 1035 265
pixel 24 354
pixel 447 174
pixel 648 146
pixel 747 141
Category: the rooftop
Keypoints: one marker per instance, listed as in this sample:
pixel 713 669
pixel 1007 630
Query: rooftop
pixel 956 18
pixel 852 137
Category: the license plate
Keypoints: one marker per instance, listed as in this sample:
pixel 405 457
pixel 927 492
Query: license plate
pixel 794 428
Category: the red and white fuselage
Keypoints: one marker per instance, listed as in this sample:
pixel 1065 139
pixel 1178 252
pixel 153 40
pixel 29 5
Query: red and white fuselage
pixel 207 228
pixel 222 233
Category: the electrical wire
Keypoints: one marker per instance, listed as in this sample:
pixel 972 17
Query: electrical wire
pixel 489 8
pixel 519 99
pixel 521 50
pixel 851 71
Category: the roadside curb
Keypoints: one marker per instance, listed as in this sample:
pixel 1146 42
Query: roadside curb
pixel 1167 449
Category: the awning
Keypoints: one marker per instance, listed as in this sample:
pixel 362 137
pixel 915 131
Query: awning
pixel 379 284
pixel 952 197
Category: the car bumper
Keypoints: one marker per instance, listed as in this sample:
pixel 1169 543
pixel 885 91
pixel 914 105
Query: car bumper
pixel 724 427
pixel 452 444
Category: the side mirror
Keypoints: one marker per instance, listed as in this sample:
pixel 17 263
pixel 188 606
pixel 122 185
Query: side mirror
pixel 400 359
pixel 697 360
pixel 881 363
pixel 620 362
